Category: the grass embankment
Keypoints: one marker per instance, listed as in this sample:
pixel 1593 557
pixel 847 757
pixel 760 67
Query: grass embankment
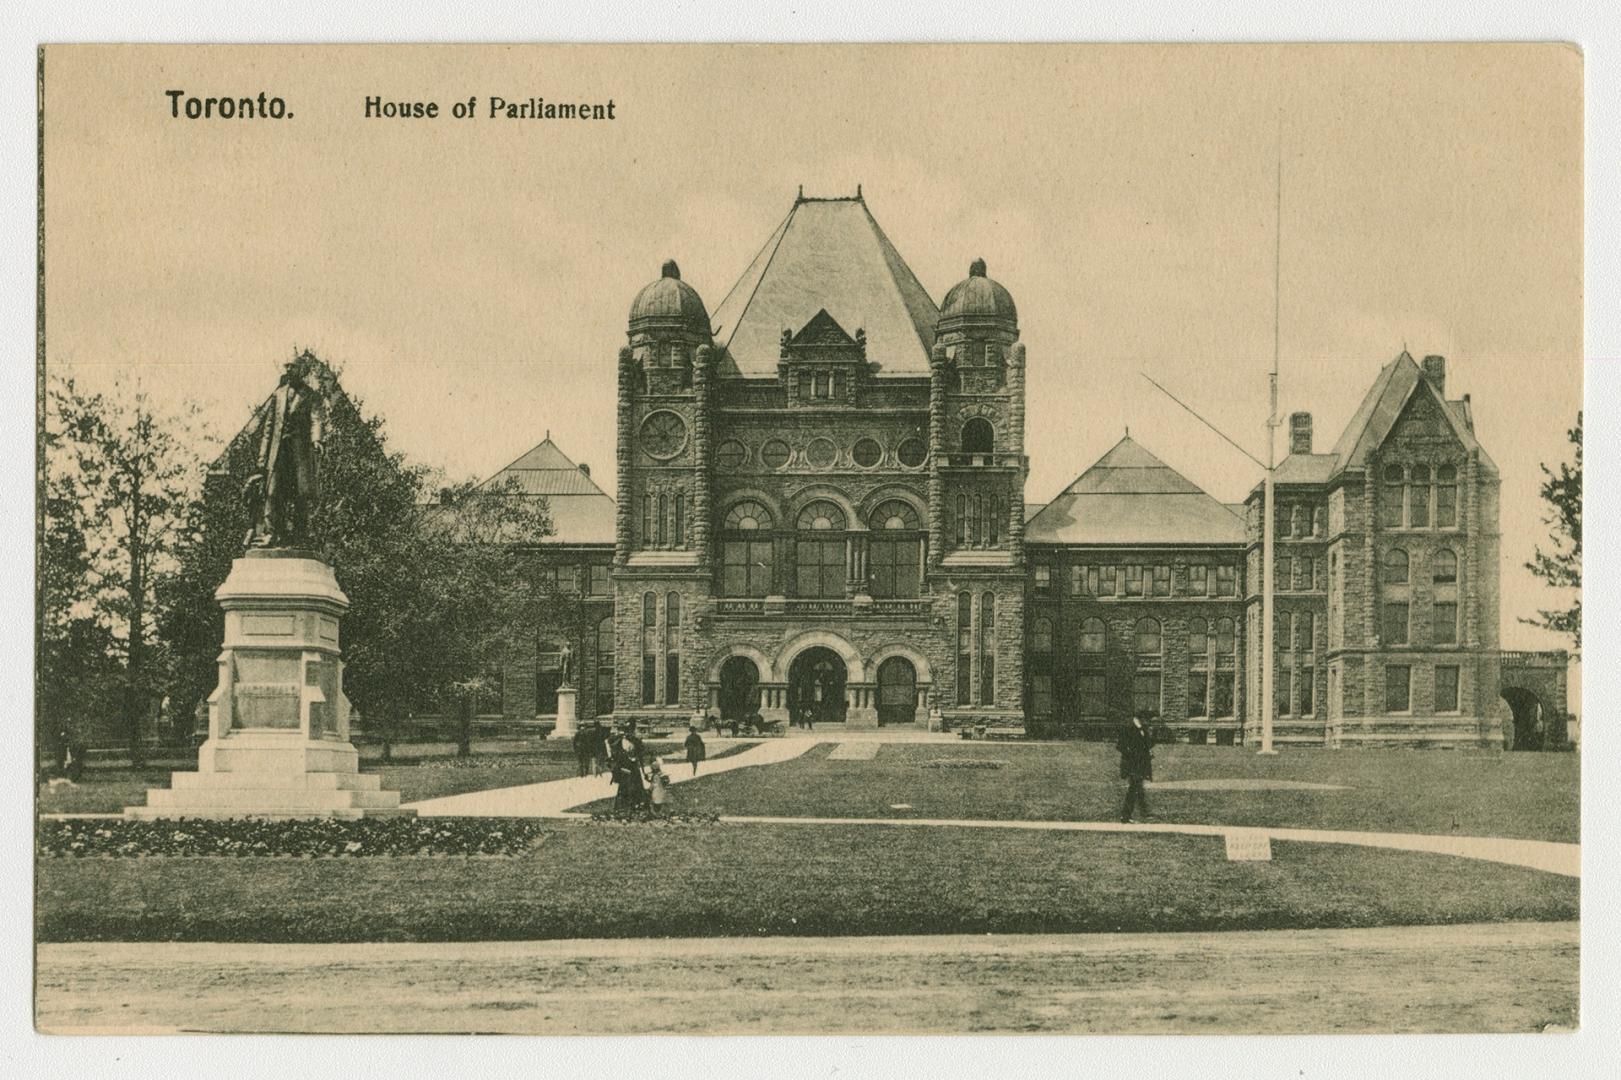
pixel 1534 796
pixel 601 881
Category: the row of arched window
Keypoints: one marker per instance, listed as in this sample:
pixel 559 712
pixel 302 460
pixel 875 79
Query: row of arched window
pixel 1398 567
pixel 1417 497
pixel 819 548
pixel 664 520
pixel 1148 639
pixel 979 519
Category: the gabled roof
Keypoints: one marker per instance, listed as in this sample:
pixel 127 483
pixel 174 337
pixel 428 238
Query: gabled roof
pixel 828 254
pixel 582 513
pixel 1132 497
pixel 1382 407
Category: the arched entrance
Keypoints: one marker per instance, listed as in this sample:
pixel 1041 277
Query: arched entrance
pixel 739 688
pixel 816 685
pixel 897 691
pixel 1531 721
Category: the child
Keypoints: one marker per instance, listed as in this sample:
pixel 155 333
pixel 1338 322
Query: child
pixel 658 787
pixel 695 748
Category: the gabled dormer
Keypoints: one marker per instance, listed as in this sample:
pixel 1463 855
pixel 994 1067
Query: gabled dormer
pixel 822 365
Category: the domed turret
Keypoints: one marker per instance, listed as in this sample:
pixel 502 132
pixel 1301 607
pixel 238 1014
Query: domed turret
pixel 977 301
pixel 670 304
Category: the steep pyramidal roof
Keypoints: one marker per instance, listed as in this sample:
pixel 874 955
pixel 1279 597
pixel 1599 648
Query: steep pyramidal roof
pixel 582 513
pixel 828 254
pixel 1132 497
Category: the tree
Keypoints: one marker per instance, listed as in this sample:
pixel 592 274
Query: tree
pixel 433 587
pixel 1561 566
pixel 119 477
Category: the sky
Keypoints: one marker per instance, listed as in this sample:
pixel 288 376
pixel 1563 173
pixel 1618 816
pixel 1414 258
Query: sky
pixel 472 276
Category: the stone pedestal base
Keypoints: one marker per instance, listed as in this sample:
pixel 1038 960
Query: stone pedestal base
pixel 568 704
pixel 278 722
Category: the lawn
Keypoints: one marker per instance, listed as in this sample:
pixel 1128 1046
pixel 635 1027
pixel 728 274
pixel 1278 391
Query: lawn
pixel 646 881
pixel 1527 795
pixel 418 771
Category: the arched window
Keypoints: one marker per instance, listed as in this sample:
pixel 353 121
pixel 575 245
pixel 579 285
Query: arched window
pixel 650 657
pixel 663 511
pixel 647 521
pixel 965 647
pixel 747 552
pixel 1446 497
pixel 679 534
pixel 1198 639
pixel 1418 499
pixel 962 519
pixel 978 437
pixel 895 550
pixel 1041 636
pixel 1446 567
pixel 1148 638
pixel 1092 637
pixel 605 666
pixel 987 649
pixel 672 649
pixel 1396 567
pixel 1391 513
pixel 819 556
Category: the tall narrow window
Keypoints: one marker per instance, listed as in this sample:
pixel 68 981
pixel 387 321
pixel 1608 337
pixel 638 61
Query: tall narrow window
pixel 987 650
pixel 1299 519
pixel 1446 497
pixel 993 527
pixel 1306 690
pixel 680 534
pixel 650 658
pixel 1090 682
pixel 1077 581
pixel 1198 667
pixel 663 510
pixel 748 555
pixel 965 648
pixel 1418 499
pixel 672 649
pixel 1446 567
pixel 1320 521
pixel 1396 570
pixel 1396 623
pixel 1446 623
pixel 962 520
pixel 976 520
pixel 605 666
pixel 1398 688
pixel 1391 510
pixel 1282 572
pixel 1446 689
pixel 1303 573
pixel 647 521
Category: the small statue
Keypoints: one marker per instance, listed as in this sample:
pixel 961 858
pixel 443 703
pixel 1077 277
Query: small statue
pixel 565 661
pixel 283 491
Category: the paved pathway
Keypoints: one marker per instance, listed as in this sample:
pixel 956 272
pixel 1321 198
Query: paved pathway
pixel 553 797
pixel 1489 977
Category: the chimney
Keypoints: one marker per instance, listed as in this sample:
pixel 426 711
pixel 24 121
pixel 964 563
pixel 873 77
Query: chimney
pixel 1300 433
pixel 586 470
pixel 1435 370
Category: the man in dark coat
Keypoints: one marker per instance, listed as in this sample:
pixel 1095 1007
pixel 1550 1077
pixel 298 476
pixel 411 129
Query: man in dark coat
pixel 583 753
pixel 1136 748
pixel 695 747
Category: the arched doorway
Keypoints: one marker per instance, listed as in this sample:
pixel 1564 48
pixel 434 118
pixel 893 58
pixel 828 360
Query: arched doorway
pixel 1531 721
pixel 816 685
pixel 897 691
pixel 739 688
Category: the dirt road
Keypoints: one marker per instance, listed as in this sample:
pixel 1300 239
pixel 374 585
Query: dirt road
pixel 1505 977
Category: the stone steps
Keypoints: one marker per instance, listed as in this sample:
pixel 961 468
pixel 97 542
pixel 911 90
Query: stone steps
pixel 271 799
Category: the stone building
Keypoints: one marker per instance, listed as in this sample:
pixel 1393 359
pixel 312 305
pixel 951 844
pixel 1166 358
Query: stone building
pixel 821 511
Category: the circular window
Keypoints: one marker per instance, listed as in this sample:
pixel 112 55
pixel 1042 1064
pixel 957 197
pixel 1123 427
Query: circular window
pixel 868 453
pixel 912 453
pixel 821 453
pixel 775 453
pixel 731 454
pixel 663 434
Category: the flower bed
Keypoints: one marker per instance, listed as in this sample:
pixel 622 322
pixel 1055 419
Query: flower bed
pixel 251 837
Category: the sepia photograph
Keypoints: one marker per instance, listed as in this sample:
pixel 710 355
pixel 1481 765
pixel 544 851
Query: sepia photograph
pixel 863 539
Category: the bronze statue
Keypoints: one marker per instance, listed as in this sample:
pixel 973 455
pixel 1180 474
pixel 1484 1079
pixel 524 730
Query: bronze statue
pixel 281 494
pixel 565 661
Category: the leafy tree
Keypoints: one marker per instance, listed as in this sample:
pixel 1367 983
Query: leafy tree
pixel 434 590
pixel 1561 566
pixel 119 477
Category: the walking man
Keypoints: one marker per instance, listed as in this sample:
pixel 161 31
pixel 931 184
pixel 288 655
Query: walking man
pixel 1136 748
pixel 695 747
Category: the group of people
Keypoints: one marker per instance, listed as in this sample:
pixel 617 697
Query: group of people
pixel 638 775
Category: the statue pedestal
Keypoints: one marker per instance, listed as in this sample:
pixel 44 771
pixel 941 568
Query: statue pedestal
pixel 568 702
pixel 278 722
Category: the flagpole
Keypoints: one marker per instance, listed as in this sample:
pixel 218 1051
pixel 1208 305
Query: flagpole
pixel 1268 524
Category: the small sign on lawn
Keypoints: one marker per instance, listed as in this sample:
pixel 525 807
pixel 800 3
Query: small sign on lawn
pixel 1249 845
